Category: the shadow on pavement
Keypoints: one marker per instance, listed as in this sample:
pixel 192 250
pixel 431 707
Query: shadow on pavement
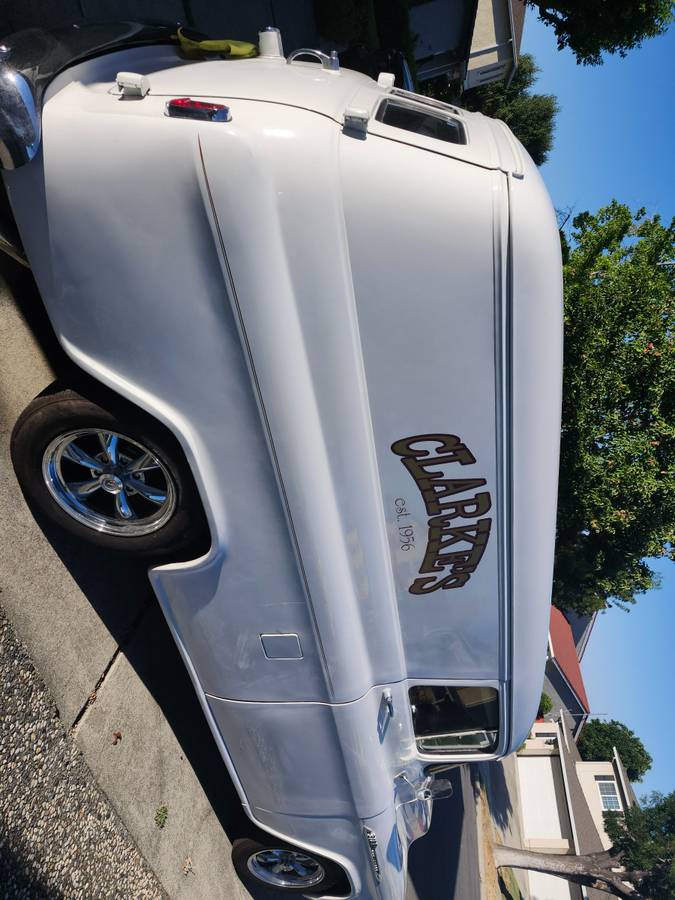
pixel 120 593
pixel 501 807
pixel 433 862
pixel 28 301
pixel 508 893
pixel 19 876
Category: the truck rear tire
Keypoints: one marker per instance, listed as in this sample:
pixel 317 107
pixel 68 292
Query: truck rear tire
pixel 271 864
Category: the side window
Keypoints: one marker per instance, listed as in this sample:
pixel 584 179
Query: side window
pixel 431 123
pixel 609 796
pixel 455 719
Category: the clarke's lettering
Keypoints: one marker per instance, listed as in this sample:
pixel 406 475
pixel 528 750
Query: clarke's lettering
pixel 455 546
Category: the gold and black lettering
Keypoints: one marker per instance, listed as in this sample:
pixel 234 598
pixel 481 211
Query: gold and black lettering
pixel 440 539
pixel 429 585
pixel 450 444
pixel 428 469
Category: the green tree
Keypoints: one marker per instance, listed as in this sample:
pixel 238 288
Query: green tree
pixel 531 117
pixel 644 839
pixel 598 740
pixel 616 498
pixel 639 864
pixel 593 27
pixel 545 705
pixel 342 21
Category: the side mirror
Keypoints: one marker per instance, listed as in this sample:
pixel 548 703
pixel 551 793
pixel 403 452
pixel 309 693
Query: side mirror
pixel 440 789
pixel 19 119
pixel 432 788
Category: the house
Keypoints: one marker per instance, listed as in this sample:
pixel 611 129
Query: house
pixel 562 801
pixel 475 42
pixel 563 681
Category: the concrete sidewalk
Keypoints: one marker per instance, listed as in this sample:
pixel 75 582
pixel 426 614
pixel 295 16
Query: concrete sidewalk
pixel 95 634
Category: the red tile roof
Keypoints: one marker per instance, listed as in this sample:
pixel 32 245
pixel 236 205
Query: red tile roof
pixel 565 655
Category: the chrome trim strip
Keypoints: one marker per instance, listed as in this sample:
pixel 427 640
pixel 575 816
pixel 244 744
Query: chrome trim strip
pixel 502 362
pixel 19 119
pixel 371 845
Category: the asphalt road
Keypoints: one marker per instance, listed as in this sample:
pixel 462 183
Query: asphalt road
pixel 443 865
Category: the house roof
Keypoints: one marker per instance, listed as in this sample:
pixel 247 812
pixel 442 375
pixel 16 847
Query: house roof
pixel 518 11
pixel 564 653
pixel 626 786
pixel 581 626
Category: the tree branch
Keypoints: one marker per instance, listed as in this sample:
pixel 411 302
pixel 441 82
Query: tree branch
pixel 593 870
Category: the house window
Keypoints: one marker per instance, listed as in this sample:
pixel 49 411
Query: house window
pixel 429 123
pixel 609 796
pixel 455 719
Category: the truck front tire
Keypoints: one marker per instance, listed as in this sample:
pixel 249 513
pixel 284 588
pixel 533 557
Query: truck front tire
pixel 112 477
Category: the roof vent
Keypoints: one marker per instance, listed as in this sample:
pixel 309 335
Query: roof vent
pixel 130 84
pixel 269 43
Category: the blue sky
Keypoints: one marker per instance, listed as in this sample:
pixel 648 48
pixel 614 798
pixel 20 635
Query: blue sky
pixel 615 138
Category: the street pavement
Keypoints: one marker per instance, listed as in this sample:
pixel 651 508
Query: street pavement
pixel 443 865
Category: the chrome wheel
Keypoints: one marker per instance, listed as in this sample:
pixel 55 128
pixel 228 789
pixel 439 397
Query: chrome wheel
pixel 109 482
pixel 286 868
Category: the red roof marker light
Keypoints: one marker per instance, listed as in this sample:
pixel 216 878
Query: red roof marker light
pixel 187 108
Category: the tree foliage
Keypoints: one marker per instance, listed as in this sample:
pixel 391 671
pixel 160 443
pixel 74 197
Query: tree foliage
pixel 598 740
pixel 530 116
pixel 644 840
pixel 593 27
pixel 545 705
pixel 616 499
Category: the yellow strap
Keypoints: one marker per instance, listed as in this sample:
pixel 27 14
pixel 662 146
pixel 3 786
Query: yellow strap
pixel 238 49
